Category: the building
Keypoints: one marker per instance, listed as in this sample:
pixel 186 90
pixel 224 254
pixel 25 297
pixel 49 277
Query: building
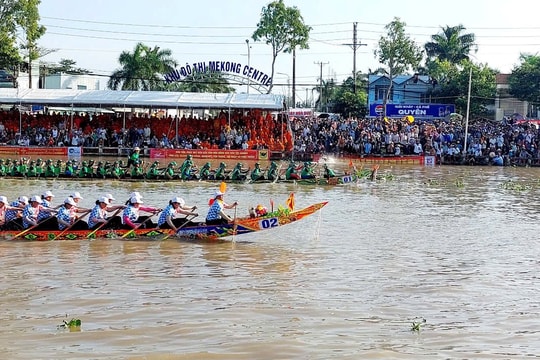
pixel 507 106
pixel 410 95
pixel 75 82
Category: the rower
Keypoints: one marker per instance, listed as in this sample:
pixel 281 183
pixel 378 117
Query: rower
pixel 257 173
pixel 292 172
pixel 328 173
pixel 4 207
pixel 67 217
pixel 307 170
pixel 13 217
pixel 130 215
pixel 216 215
pixel 46 219
pixel 176 206
pixel 31 212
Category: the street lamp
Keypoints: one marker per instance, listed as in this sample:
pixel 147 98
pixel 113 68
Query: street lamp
pixel 288 87
pixel 249 63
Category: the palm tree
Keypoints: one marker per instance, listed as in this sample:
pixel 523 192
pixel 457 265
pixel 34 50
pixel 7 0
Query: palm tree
pixel 451 45
pixel 142 69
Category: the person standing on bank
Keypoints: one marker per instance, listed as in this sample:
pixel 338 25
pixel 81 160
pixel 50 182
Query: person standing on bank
pixel 176 205
pixel 216 214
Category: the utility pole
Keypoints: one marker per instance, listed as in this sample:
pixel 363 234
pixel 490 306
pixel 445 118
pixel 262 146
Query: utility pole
pixel 320 82
pixel 294 77
pixel 355 45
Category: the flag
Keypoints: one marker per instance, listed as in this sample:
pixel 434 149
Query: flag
pixel 290 202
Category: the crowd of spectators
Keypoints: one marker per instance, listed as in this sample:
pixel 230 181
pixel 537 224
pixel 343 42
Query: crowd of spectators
pixel 488 142
pixel 254 129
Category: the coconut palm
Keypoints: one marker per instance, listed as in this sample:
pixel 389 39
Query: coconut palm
pixel 451 45
pixel 142 69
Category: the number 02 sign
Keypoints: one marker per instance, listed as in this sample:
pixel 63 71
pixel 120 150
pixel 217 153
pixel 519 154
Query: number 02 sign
pixel 268 223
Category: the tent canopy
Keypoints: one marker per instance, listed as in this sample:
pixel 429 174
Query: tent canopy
pixel 159 99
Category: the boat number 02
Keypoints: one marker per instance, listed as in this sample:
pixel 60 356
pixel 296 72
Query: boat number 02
pixel 268 223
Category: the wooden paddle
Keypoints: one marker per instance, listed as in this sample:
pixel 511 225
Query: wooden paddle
pixel 277 173
pixel 235 224
pixel 29 229
pixel 103 223
pixel 69 227
pixel 138 226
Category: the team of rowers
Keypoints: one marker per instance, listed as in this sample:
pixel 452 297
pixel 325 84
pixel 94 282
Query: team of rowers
pixel 38 213
pixel 136 169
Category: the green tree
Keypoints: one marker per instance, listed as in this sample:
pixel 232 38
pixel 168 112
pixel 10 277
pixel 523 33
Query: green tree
pixel 454 90
pixel 283 28
pixel 397 52
pixel 346 102
pixel 28 20
pixel 66 66
pixel 450 45
pixel 207 82
pixel 142 69
pixel 9 53
pixel 524 81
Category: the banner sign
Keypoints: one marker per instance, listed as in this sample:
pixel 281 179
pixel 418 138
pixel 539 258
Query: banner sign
pixel 419 111
pixel 231 67
pixel 205 154
pixel 33 151
pixel 74 151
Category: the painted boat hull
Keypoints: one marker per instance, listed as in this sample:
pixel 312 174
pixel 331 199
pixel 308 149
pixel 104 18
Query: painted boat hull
pixel 199 232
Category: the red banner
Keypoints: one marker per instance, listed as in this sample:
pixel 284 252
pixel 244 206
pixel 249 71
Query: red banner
pixel 33 151
pixel 204 154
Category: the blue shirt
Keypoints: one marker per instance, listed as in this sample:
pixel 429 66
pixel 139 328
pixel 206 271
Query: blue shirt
pixel 168 211
pixel 97 214
pixel 65 215
pixel 44 214
pixel 215 210
pixel 30 213
pixel 131 212
pixel 12 214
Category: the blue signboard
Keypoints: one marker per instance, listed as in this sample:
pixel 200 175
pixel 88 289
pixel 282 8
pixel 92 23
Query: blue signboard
pixel 419 111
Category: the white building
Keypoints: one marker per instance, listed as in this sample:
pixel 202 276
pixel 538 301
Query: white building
pixel 75 82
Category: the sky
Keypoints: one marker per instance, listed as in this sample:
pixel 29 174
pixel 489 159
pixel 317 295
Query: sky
pixel 94 33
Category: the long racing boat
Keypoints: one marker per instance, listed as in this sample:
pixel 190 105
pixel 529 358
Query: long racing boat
pixel 200 231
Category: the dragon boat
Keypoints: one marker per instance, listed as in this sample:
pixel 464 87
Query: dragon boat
pixel 200 231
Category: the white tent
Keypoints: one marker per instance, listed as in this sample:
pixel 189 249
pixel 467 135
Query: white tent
pixel 109 98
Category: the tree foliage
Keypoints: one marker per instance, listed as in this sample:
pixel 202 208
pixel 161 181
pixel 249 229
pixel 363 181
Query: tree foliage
pixel 283 28
pixel 9 54
pixel 142 69
pixel 28 20
pixel 397 52
pixel 451 45
pixel 346 102
pixel 67 66
pixel 455 88
pixel 524 81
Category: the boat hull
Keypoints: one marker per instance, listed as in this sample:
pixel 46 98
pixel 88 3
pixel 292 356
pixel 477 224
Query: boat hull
pixel 199 232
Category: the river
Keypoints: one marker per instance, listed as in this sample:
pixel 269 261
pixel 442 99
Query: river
pixel 454 246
